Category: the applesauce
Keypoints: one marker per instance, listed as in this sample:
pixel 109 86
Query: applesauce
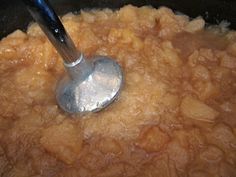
pixel 175 117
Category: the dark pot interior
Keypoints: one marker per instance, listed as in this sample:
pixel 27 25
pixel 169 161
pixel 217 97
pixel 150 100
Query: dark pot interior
pixel 13 14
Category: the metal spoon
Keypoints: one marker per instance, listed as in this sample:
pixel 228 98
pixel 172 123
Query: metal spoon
pixel 90 84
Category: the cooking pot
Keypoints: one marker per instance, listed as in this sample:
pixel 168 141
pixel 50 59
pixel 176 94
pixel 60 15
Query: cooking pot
pixel 13 14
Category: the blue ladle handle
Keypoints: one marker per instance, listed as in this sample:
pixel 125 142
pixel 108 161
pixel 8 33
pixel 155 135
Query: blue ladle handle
pixel 45 16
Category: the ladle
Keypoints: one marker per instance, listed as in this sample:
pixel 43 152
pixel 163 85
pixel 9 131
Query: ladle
pixel 91 84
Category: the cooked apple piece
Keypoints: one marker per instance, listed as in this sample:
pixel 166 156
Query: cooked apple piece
pixel 64 141
pixel 198 110
pixel 153 139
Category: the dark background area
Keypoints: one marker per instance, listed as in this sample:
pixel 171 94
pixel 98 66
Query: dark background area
pixel 13 14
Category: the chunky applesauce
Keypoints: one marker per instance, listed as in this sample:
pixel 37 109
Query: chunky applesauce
pixel 175 117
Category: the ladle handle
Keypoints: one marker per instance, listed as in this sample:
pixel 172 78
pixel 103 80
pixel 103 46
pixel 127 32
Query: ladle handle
pixel 49 22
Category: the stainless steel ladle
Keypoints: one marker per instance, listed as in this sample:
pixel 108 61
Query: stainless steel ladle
pixel 90 85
